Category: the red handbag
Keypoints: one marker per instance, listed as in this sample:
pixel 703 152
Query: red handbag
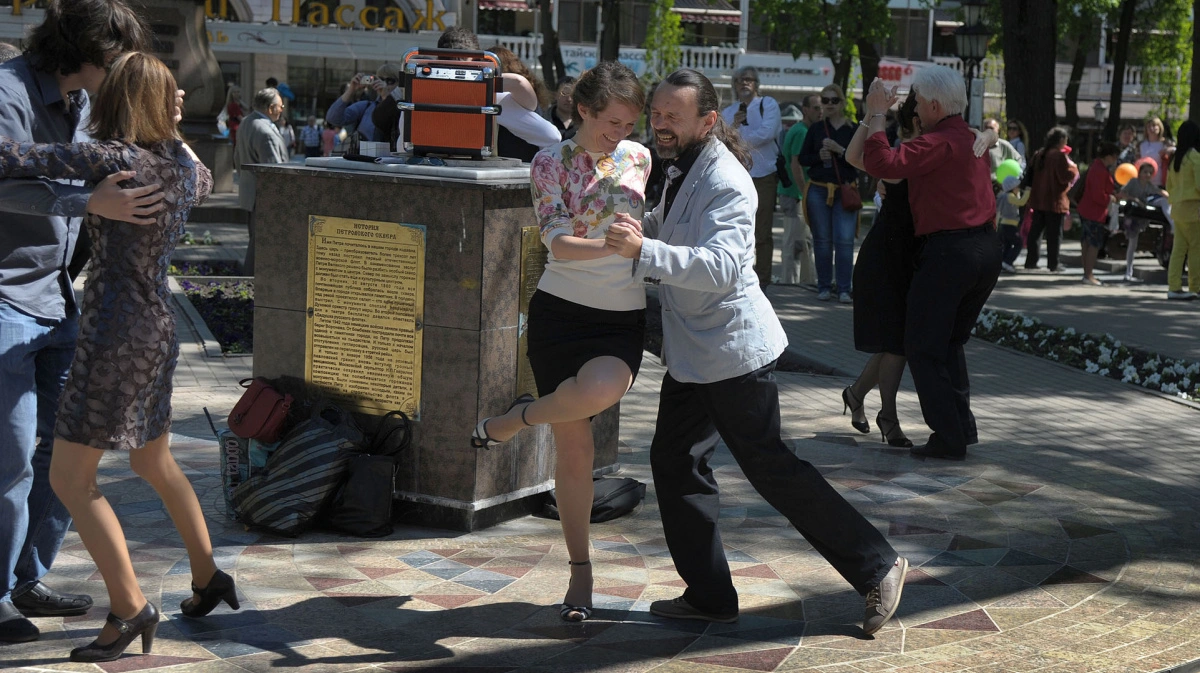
pixel 260 413
pixel 851 199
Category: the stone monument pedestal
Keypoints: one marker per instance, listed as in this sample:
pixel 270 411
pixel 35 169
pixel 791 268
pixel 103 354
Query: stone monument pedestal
pixel 468 319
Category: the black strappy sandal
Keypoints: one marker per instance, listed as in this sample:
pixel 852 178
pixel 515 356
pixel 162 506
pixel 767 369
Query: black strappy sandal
pixel 480 439
pixel 575 613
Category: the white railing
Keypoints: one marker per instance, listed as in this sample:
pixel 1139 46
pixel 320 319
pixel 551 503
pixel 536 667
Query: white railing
pixel 712 61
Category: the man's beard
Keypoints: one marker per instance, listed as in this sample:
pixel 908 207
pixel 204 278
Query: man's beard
pixel 677 149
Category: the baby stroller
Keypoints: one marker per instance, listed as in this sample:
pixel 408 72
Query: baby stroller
pixel 1145 226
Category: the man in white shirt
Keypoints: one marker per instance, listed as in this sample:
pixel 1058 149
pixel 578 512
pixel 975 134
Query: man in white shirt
pixel 756 118
pixel 521 119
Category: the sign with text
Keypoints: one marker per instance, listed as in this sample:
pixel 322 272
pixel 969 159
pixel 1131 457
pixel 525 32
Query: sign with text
pixel 580 58
pixel 366 301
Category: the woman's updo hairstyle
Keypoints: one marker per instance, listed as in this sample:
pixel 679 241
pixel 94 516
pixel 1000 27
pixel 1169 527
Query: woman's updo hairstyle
pixel 605 83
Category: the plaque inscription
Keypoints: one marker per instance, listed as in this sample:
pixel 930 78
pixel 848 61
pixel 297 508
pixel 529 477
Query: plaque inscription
pixel 366 297
pixel 533 263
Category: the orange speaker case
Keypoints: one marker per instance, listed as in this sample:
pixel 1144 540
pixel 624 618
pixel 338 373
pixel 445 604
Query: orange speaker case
pixel 449 102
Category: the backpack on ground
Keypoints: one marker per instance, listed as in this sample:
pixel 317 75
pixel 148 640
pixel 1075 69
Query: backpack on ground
pixel 611 498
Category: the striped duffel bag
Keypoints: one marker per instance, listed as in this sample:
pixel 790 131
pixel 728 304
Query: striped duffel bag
pixel 301 475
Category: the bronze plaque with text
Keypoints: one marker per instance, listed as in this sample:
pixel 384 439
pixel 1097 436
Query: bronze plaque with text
pixel 366 290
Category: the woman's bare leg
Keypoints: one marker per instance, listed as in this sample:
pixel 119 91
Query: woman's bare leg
pixel 891 370
pixel 73 477
pixel 867 379
pixel 573 492
pixel 157 466
pixel 599 384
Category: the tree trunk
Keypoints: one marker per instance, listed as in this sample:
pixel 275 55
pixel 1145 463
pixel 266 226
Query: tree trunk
pixel 1029 43
pixel 1194 99
pixel 553 68
pixel 610 37
pixel 868 62
pixel 1071 97
pixel 1120 55
pixel 841 72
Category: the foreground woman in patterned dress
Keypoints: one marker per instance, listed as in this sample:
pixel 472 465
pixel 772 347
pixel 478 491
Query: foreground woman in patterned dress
pixel 118 392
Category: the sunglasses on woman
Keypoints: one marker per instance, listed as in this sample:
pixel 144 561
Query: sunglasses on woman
pixel 830 101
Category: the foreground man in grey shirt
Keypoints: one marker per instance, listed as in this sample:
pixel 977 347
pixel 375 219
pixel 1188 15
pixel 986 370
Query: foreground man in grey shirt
pixel 44 98
pixel 721 340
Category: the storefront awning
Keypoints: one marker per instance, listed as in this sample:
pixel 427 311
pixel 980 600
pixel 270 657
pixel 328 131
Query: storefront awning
pixel 513 5
pixel 707 11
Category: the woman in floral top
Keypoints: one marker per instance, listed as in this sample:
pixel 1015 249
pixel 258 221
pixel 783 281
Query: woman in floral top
pixel 587 318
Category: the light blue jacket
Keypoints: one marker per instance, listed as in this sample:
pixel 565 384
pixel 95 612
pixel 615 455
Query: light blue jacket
pixel 717 323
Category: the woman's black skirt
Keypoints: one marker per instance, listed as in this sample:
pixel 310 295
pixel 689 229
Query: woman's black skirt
pixel 563 336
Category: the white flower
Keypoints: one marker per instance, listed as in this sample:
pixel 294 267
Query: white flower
pixel 1154 379
pixel 1091 367
pixel 1129 373
pixel 1169 388
pixel 1026 322
pixel 1105 358
pixel 1103 372
pixel 1070 331
pixel 1186 383
pixel 1117 343
pixel 1194 368
pixel 1052 355
pixel 1151 365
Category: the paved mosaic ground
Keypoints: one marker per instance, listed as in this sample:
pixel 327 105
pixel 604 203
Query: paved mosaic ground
pixel 1013 570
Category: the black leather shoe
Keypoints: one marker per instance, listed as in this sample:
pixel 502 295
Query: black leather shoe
pixel 42 601
pixel 14 627
pixel 144 624
pixel 936 448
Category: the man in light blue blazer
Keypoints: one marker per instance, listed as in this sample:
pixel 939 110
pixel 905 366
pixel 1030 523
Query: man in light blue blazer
pixel 721 340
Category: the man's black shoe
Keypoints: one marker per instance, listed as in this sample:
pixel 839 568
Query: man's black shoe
pixel 681 609
pixel 14 628
pixel 936 448
pixel 932 450
pixel 42 601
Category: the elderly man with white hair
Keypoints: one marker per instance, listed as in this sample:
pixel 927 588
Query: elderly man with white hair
pixel 958 258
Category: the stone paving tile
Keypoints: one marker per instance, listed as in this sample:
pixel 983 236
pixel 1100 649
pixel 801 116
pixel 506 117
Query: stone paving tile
pixel 1067 541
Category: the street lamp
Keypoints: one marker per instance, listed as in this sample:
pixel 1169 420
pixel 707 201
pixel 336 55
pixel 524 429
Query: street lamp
pixel 1100 109
pixel 971 40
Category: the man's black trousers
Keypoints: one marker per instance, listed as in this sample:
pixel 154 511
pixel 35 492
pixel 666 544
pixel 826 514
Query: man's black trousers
pixel 744 411
pixel 955 274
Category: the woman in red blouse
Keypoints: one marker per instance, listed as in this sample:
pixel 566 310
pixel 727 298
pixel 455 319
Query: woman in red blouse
pixel 1053 175
pixel 1093 207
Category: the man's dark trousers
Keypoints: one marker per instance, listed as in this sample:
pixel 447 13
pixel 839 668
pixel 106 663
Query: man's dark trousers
pixel 744 411
pixel 955 274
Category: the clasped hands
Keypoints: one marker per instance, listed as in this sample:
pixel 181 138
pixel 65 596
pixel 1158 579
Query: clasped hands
pixel 624 236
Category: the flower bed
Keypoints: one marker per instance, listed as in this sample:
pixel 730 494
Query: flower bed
pixel 205 269
pixel 1095 354
pixel 227 307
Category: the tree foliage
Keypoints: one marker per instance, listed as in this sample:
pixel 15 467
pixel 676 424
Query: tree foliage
pixel 830 28
pixel 1079 27
pixel 1161 44
pixel 664 35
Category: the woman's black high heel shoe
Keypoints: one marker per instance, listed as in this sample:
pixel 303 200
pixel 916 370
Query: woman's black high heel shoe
pixel 220 588
pixel 575 613
pixel 892 434
pixel 854 406
pixel 144 624
pixel 480 439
